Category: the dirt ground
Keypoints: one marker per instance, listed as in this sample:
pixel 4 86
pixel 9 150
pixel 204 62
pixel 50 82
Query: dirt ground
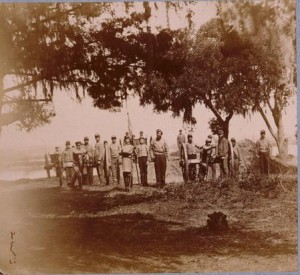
pixel 105 230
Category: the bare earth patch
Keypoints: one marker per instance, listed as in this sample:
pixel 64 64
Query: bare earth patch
pixel 105 230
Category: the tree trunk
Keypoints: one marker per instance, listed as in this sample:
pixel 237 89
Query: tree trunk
pixel 224 124
pixel 282 142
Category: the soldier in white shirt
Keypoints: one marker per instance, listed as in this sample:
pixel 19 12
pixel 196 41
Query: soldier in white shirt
pixel 67 159
pixel 264 152
pixel 115 150
pixel 88 163
pixel 159 153
pixel 143 154
pixel 99 158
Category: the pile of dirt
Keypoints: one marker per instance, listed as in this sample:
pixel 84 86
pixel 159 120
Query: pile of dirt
pixel 250 164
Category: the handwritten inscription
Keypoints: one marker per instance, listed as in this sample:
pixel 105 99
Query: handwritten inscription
pixel 12 243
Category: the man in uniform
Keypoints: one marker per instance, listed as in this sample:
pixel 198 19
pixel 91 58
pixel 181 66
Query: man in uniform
pixel 235 162
pixel 141 134
pixel 78 153
pixel 115 150
pixel 223 153
pixel 143 154
pixel 88 163
pixel 180 139
pixel 214 138
pixel 264 152
pixel 126 136
pixel 107 163
pixel 99 158
pixel 191 150
pixel 127 165
pixel 67 159
pixel 207 158
pixel 57 164
pixel 159 153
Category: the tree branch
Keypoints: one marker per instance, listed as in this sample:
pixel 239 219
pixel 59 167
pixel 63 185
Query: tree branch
pixel 229 116
pixel 267 123
pixel 211 107
pixel 21 85
pixel 27 100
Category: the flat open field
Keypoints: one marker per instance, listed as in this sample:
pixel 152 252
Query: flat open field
pixel 105 230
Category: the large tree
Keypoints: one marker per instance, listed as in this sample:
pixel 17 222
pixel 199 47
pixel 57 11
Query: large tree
pixel 187 69
pixel 76 46
pixel 43 47
pixel 271 28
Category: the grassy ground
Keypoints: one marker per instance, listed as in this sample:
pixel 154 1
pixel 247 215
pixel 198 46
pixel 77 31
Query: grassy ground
pixel 104 230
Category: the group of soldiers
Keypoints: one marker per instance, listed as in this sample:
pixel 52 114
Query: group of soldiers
pixel 219 151
pixel 79 161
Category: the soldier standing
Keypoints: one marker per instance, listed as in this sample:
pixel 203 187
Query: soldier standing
pixel 115 150
pixel 222 153
pixel 88 163
pixel 127 165
pixel 207 158
pixel 67 159
pixel 235 164
pixel 159 153
pixel 191 150
pixel 264 152
pixel 180 139
pixel 107 162
pixel 143 154
pixel 99 158
pixel 57 163
pixel 126 136
pixel 78 153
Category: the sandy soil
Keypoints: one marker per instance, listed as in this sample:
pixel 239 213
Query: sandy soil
pixel 105 230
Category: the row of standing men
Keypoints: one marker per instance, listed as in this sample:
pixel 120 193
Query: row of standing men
pixel 219 151
pixel 78 162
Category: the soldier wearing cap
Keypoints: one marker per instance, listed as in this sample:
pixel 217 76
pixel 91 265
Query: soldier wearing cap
pixel 115 150
pixel 88 163
pixel 223 153
pixel 99 158
pixel 142 153
pixel 67 159
pixel 127 165
pixel 235 163
pixel 57 164
pixel 78 154
pixel 107 162
pixel 180 139
pixel 192 149
pixel 207 158
pixel 264 152
pixel 159 153
pixel 126 136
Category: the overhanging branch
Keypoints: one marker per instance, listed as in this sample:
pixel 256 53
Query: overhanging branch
pixel 261 111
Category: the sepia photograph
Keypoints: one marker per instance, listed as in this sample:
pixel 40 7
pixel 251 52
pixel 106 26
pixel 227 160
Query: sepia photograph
pixel 148 137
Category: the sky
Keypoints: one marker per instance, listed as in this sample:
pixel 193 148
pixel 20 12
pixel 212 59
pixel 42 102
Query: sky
pixel 74 121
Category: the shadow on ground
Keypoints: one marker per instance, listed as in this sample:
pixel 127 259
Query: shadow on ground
pixel 119 242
